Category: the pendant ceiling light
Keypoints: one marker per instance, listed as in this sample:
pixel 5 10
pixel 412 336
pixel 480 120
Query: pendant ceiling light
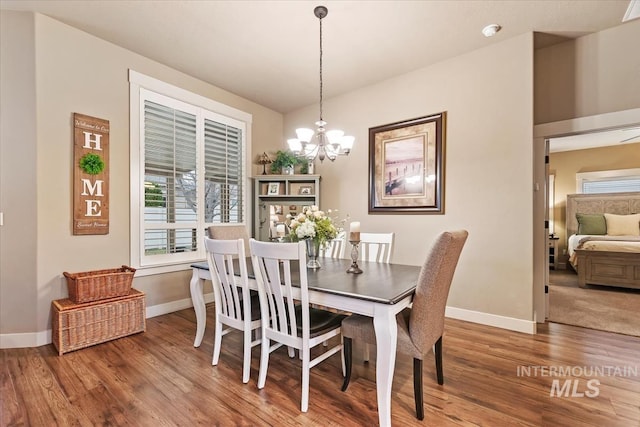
pixel 324 144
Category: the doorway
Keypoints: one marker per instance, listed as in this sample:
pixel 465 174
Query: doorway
pixel 542 133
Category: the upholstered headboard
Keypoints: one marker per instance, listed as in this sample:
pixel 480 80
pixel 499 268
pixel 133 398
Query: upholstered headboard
pixel 615 203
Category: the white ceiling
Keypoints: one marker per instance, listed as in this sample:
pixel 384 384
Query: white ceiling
pixel 267 51
pixel 595 139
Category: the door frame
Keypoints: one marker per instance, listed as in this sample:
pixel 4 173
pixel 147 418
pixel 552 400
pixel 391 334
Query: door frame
pixel 541 133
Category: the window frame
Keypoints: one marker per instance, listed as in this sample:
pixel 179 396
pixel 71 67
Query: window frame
pixel 145 87
pixel 607 175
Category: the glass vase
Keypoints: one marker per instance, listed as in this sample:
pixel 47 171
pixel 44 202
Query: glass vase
pixel 313 251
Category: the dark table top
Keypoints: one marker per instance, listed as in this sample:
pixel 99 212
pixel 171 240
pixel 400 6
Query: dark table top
pixel 383 283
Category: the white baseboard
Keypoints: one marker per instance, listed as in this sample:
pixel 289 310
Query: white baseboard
pixel 170 307
pixel 510 323
pixel 28 339
pixel 37 339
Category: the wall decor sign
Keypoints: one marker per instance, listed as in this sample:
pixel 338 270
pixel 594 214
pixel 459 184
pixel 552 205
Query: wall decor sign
pixel 90 175
pixel 406 166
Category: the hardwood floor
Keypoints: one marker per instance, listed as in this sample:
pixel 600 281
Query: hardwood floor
pixel 158 378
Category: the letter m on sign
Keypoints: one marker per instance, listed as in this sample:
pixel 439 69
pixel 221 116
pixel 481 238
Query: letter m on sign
pixel 558 391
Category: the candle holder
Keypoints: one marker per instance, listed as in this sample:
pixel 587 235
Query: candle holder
pixel 354 257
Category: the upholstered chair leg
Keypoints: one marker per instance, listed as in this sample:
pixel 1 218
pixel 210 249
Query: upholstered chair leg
pixel 347 350
pixel 438 354
pixel 417 388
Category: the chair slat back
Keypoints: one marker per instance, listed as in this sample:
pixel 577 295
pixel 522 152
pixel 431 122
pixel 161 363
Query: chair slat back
pixel 426 323
pixel 272 265
pixel 230 292
pixel 335 248
pixel 376 247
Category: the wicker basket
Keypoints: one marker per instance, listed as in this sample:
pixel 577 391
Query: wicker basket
pixel 76 326
pixel 99 284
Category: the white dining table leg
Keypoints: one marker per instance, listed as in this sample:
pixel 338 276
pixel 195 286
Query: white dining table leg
pixel 197 299
pixel 386 342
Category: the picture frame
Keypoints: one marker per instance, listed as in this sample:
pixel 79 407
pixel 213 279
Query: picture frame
pixel 273 189
pixel 406 166
pixel 305 190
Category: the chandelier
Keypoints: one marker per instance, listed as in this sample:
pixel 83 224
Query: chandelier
pixel 326 144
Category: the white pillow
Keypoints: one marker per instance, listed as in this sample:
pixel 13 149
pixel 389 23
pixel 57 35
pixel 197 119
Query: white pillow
pixel 623 225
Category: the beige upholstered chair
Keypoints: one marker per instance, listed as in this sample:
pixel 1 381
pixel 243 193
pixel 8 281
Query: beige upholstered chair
pixel 288 322
pixel 376 247
pixel 421 326
pixel 233 303
pixel 229 232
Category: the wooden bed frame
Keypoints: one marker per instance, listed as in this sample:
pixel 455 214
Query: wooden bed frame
pixel 607 268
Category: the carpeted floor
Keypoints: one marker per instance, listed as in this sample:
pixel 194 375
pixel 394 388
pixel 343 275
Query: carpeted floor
pixel 596 307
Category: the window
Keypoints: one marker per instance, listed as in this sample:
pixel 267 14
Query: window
pixel 188 171
pixel 611 181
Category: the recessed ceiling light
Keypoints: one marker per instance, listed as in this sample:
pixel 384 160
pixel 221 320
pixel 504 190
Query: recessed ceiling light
pixel 491 30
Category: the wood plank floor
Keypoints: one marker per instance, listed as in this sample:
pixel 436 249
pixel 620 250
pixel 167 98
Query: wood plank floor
pixel 158 378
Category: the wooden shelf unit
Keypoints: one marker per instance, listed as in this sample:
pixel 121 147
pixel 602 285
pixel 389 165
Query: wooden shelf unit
pixel 286 194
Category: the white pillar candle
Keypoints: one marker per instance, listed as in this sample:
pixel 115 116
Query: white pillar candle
pixel 280 230
pixel 354 231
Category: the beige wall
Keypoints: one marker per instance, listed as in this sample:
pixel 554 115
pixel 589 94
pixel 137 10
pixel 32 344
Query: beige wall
pixel 488 97
pixel 76 72
pixel 18 161
pixel 565 165
pixel 595 74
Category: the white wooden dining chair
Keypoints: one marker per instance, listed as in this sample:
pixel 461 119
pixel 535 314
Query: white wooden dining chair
pixel 335 247
pixel 376 247
pixel 233 302
pixel 287 320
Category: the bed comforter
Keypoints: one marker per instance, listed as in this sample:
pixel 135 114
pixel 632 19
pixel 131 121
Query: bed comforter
pixel 605 243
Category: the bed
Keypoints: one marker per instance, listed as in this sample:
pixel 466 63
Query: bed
pixel 603 259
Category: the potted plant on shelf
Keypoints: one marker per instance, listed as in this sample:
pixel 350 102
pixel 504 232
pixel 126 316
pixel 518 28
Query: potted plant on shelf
pixel 285 162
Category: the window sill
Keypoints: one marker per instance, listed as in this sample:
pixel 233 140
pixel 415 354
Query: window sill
pixel 163 269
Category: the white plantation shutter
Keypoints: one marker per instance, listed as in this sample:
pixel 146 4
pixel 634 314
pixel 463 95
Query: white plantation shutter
pixel 223 172
pixel 191 174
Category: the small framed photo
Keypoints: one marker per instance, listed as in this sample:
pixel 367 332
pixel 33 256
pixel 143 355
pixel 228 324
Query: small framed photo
pixel 293 208
pixel 306 189
pixel 273 189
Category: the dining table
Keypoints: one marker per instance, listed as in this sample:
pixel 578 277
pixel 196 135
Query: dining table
pixel 381 291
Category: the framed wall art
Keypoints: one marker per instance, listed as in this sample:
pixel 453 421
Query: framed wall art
pixel 406 166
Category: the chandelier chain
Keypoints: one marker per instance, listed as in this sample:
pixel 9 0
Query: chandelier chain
pixel 320 69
